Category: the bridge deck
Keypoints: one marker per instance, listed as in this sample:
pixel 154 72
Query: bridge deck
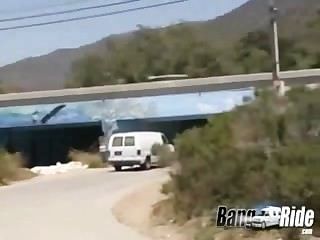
pixel 158 88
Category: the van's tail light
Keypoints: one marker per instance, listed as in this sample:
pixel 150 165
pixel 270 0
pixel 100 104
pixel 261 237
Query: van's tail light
pixel 139 152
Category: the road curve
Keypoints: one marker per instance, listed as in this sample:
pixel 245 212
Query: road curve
pixel 73 206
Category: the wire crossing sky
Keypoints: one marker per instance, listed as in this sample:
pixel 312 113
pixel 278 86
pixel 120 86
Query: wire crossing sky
pixel 30 42
pixel 68 11
pixel 90 16
pixel 46 6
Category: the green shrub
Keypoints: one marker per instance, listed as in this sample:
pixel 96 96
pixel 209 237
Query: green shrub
pixel 93 160
pixel 259 152
pixel 166 157
pixel 155 149
pixel 167 187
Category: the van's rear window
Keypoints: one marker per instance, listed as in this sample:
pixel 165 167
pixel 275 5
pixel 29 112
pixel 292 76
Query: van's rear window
pixel 117 142
pixel 129 141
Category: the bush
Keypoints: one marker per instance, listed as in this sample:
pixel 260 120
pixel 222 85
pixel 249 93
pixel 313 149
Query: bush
pixel 93 160
pixel 23 174
pixel 166 157
pixel 259 152
pixel 9 166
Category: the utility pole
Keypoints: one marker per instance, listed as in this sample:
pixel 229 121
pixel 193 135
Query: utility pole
pixel 278 84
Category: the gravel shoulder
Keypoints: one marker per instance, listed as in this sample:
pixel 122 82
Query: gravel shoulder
pixel 135 210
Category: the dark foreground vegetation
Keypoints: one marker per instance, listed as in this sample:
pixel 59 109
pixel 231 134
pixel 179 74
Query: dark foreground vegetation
pixel 265 151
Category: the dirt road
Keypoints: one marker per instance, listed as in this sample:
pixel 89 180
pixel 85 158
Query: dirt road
pixel 73 206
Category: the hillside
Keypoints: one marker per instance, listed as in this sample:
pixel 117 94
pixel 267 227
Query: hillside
pixel 293 16
pixel 52 70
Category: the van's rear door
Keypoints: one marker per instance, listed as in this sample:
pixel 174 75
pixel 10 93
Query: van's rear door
pixel 116 147
pixel 124 148
pixel 129 150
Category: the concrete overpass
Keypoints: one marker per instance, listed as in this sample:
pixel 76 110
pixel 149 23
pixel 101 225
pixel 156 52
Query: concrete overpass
pixel 291 78
pixel 44 145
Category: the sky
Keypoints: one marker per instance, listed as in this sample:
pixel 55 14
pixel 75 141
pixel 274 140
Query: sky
pixel 23 43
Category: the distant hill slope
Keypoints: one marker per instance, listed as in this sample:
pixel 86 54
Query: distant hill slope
pixel 52 70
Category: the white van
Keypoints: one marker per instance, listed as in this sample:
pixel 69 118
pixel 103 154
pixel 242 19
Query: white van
pixel 268 217
pixel 134 148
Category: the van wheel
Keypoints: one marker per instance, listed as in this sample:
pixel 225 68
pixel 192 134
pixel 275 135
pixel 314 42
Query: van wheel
pixel 263 225
pixel 147 164
pixel 118 168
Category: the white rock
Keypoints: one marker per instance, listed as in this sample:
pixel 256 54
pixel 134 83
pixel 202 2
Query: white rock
pixel 58 168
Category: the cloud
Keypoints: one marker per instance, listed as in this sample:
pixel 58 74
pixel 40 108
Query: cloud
pixel 116 109
pixel 218 106
pixel 230 103
pixel 207 108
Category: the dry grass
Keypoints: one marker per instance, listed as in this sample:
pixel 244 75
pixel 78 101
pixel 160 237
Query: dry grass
pixel 23 174
pixel 93 160
pixel 11 168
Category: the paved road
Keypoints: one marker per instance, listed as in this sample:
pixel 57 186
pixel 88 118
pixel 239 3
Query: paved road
pixel 73 206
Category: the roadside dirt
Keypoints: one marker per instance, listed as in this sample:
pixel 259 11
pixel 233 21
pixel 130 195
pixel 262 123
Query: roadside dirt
pixel 135 210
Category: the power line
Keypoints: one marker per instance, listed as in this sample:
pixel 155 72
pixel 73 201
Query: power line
pixel 68 3
pixel 93 16
pixel 69 11
pixel 28 9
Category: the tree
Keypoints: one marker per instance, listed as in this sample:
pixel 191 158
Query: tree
pixel 6 88
pixel 255 53
pixel 89 71
pixel 316 63
pixel 176 50
pixel 315 26
pixel 1 90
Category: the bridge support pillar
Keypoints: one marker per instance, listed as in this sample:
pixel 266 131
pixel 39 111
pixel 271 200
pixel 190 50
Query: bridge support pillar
pixel 280 87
